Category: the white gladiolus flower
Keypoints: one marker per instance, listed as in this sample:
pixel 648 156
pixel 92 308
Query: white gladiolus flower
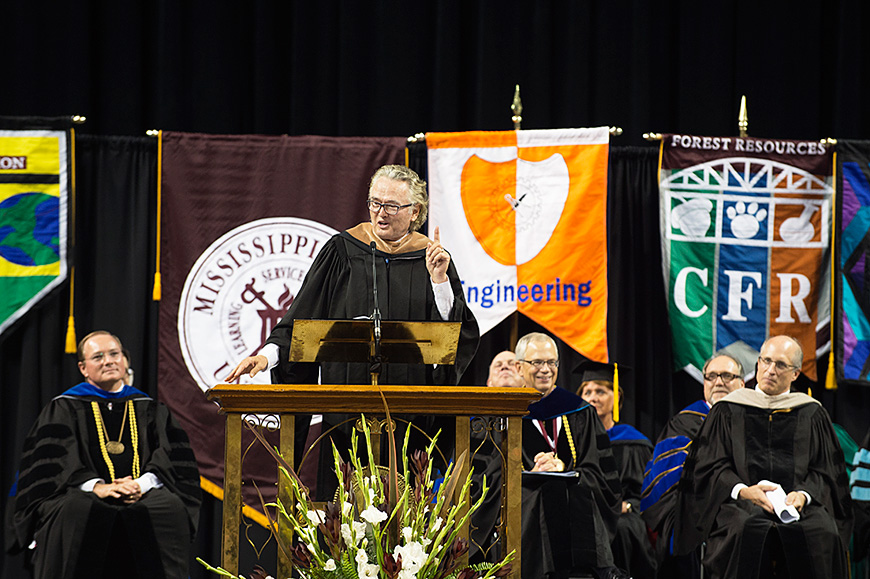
pixel 373 515
pixel 316 517
pixel 353 534
pixel 329 565
pixel 407 534
pixel 437 525
pixel 413 556
pixel 366 571
pixel 361 557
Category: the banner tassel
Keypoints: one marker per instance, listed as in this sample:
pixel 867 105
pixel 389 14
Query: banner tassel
pixel 158 284
pixel 831 378
pixel 70 342
pixel 70 335
pixel 615 392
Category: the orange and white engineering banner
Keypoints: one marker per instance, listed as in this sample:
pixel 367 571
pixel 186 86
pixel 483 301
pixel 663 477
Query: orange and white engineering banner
pixel 524 216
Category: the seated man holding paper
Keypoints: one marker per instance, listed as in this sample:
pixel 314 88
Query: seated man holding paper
pixel 765 481
pixel 571 494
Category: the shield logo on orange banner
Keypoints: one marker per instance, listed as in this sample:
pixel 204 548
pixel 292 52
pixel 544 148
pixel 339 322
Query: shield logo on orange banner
pixel 513 207
pixel 523 214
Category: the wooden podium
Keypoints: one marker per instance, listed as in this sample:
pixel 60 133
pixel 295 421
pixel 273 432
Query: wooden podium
pixel 287 399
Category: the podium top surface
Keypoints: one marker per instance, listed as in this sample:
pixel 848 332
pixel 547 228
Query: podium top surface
pixel 335 398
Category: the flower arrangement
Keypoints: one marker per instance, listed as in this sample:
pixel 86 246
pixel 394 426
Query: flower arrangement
pixel 376 527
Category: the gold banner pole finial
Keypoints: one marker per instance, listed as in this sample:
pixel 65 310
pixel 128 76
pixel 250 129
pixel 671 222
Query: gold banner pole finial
pixel 517 109
pixel 743 118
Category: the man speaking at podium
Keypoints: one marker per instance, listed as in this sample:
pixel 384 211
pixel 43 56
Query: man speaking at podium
pixel 416 281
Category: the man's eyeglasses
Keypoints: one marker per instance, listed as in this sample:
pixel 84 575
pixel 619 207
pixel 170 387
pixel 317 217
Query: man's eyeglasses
pixel 100 356
pixel 539 364
pixel 780 366
pixel 389 208
pixel 727 377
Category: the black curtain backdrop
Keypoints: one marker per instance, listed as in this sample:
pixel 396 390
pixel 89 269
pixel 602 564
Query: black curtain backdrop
pixel 382 68
pixel 378 68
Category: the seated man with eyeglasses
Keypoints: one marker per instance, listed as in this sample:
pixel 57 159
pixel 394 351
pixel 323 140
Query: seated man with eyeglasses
pixel 723 374
pixel 571 492
pixel 765 482
pixel 108 486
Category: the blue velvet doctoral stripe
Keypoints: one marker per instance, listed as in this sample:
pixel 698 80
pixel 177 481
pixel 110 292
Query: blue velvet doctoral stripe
pixel 664 469
pixel 699 406
pixel 87 389
pixel 625 432
pixel 559 402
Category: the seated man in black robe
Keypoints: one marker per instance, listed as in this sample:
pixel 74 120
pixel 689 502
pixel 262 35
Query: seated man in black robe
pixel 416 281
pixel 571 499
pixel 761 441
pixel 723 374
pixel 487 459
pixel 108 484
pixel 631 547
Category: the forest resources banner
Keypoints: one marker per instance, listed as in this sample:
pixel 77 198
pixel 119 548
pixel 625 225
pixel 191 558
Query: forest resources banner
pixel 34 186
pixel 524 215
pixel 745 240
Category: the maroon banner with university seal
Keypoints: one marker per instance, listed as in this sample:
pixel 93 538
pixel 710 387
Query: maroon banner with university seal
pixel 242 219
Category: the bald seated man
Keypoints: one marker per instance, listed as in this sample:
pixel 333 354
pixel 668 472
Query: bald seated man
pixel 765 482
pixel 503 371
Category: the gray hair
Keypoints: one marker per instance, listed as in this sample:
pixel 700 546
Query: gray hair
pixel 524 342
pixel 416 189
pixel 724 355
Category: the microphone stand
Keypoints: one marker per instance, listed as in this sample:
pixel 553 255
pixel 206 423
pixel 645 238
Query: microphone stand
pixel 375 367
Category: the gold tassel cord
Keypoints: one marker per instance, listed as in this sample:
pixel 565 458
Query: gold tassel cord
pixel 615 392
pixel 134 436
pixel 570 442
pixel 71 342
pixel 831 378
pixel 98 418
pixel 158 284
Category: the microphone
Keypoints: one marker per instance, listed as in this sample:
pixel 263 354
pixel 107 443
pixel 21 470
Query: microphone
pixel 376 315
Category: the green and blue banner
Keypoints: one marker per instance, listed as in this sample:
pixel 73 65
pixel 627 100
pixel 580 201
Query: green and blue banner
pixel 34 187
pixel 852 328
pixel 746 227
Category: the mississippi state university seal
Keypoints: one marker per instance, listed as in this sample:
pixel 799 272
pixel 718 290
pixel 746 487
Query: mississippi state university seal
pixel 239 288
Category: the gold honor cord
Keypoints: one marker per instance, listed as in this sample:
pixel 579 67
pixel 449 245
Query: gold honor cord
pixel 116 447
pixel 570 443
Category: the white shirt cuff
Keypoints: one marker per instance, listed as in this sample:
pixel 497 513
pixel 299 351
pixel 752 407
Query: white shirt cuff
pixel 149 481
pixel 270 351
pixel 809 498
pixel 88 486
pixel 735 492
pixel 443 298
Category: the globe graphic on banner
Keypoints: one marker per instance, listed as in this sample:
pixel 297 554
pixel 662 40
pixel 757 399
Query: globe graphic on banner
pixel 29 233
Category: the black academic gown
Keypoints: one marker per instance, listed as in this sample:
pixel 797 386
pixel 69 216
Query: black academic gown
pixel 632 550
pixel 78 534
pixel 568 522
pixel 338 286
pixel 659 497
pixel 748 437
